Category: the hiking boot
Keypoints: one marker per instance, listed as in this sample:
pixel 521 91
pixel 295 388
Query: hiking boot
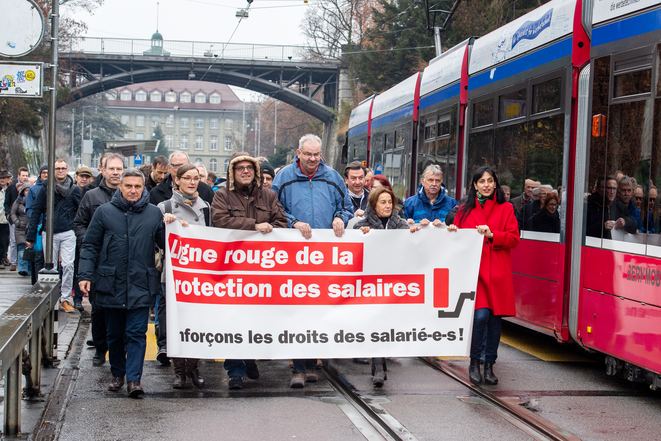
pixel 78 304
pixel 236 382
pixel 162 357
pixel 67 306
pixel 311 376
pixel 134 389
pixel 99 359
pixel 251 369
pixel 116 384
pixel 297 380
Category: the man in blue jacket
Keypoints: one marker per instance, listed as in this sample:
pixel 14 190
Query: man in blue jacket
pixel 118 257
pixel 313 196
pixel 67 199
pixel 430 204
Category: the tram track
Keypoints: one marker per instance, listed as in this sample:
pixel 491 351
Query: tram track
pixel 390 429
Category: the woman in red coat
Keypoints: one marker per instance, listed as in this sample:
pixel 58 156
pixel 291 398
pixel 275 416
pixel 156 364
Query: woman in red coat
pixel 487 210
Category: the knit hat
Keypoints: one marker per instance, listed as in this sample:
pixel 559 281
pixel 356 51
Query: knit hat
pixel 267 169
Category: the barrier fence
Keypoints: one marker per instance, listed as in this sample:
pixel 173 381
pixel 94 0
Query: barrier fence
pixel 27 338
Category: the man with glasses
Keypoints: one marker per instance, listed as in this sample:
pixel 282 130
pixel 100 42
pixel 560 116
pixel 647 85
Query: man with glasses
pixel 313 196
pixel 605 212
pixel 244 204
pixel 67 200
pixel 93 199
pixel 163 191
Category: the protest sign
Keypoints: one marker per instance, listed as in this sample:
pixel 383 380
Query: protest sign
pixel 244 295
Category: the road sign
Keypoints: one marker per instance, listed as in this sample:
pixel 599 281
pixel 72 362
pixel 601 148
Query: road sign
pixel 21 79
pixel 137 160
pixel 21 27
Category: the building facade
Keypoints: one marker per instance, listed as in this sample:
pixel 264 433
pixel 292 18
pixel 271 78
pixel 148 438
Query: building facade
pixel 203 119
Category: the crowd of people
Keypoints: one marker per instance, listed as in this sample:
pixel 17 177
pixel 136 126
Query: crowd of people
pixel 109 233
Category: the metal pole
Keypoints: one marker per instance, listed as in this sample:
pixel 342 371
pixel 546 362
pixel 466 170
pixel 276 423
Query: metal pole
pixel 437 40
pixel 12 423
pixel 243 132
pixel 50 200
pixel 259 132
pixel 73 127
pixel 275 132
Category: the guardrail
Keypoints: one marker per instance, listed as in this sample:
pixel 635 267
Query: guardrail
pixel 195 49
pixel 23 325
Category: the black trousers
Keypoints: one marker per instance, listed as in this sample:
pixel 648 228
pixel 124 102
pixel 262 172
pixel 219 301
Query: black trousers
pixel 4 240
pixel 161 338
pixel 99 331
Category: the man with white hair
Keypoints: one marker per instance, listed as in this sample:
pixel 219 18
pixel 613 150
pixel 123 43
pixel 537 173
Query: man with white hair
pixel 430 204
pixel 313 196
pixel 529 210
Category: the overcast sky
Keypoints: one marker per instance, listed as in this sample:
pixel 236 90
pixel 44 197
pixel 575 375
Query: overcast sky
pixel 270 21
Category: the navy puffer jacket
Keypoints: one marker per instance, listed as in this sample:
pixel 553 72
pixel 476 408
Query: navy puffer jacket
pixel 118 253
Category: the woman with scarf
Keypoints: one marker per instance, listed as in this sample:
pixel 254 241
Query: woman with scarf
pixel 487 211
pixel 20 220
pixel 188 208
pixel 382 214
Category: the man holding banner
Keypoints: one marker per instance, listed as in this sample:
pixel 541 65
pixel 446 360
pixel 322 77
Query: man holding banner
pixel 245 205
pixel 313 196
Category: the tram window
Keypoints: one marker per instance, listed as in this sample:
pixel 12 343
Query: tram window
pixel 510 154
pixel 633 83
pixel 512 105
pixel 480 152
pixel 444 128
pixel 430 132
pixel 546 96
pixel 390 141
pixel 483 113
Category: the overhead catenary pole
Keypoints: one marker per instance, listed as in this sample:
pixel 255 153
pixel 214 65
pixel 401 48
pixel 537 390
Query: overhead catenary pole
pixel 50 199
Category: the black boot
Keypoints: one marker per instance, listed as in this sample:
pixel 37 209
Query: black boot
pixel 474 371
pixel 489 377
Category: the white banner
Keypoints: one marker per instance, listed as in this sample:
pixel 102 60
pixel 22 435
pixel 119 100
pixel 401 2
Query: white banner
pixel 243 295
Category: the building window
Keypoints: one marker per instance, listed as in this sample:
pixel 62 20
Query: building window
pixel 199 123
pixel 141 96
pixel 140 121
pixel 111 95
pixel 228 143
pixel 184 122
pixel 126 120
pixel 213 122
pixel 184 97
pixel 169 121
pixel 155 120
pixel 229 124
pixel 184 142
pixel 215 98
pixel 213 165
pixel 198 161
pixel 213 145
pixel 126 95
pixel 169 141
pixel 198 142
pixel 170 97
pixel 155 96
pixel 127 136
pixel 225 165
pixel 200 98
pixel 139 136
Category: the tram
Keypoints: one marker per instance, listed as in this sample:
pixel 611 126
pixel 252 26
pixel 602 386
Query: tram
pixel 564 95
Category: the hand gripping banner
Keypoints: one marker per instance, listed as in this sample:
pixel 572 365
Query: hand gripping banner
pixel 246 295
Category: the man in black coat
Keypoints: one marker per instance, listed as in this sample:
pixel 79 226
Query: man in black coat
pixel 163 191
pixel 95 183
pixel 92 200
pixel 159 169
pixel 67 199
pixel 118 256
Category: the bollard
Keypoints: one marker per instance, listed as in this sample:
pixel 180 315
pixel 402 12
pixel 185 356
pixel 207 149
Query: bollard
pixel 12 422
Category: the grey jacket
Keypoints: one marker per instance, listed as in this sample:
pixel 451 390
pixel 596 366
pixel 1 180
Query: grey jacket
pixel 372 220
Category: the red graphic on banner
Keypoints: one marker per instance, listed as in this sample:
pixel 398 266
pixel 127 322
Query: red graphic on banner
pixel 262 289
pixel 441 288
pixel 315 257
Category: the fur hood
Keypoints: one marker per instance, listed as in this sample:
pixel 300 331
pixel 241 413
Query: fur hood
pixel 236 158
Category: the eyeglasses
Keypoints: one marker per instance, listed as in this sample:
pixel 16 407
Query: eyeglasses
pixel 188 178
pixel 244 167
pixel 311 155
pixel 553 205
pixel 61 168
pixel 176 165
pixel 638 198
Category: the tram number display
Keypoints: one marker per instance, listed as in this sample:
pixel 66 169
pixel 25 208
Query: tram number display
pixel 241 294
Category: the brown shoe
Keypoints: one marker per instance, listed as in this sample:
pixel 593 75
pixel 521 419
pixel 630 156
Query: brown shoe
pixel 12 268
pixel 134 389
pixel 179 381
pixel 311 376
pixel 116 384
pixel 195 378
pixel 67 306
pixel 297 380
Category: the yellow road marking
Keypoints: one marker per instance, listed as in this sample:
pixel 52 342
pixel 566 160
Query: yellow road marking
pixel 542 348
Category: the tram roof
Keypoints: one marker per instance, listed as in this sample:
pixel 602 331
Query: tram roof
pixel 361 114
pixel 443 70
pixel 395 97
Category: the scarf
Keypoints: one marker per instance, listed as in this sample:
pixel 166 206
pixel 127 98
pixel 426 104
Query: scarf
pixel 482 199
pixel 63 188
pixel 132 205
pixel 189 200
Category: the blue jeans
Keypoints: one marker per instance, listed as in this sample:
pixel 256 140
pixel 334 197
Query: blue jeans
pixel 23 265
pixel 127 359
pixel 485 322
pixel 235 368
pixel 301 365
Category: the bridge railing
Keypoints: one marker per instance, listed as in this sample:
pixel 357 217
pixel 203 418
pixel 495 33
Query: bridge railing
pixel 195 49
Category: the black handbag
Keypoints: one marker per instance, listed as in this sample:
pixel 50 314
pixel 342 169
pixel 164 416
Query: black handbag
pixel 29 254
